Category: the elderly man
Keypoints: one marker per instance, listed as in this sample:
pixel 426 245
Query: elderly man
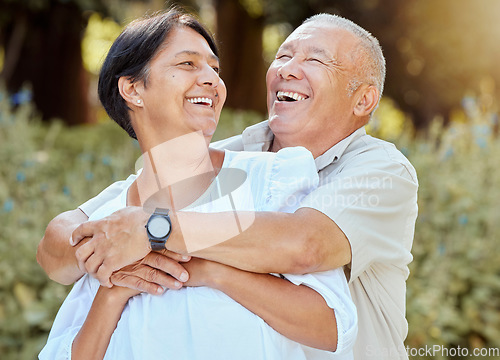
pixel 322 87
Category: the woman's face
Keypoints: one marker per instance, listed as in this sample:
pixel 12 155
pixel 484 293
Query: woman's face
pixel 183 93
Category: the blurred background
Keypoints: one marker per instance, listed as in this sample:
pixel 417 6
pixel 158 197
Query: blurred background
pixel 440 107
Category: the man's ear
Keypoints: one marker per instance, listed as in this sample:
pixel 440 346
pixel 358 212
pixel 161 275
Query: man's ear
pixel 367 101
pixel 130 91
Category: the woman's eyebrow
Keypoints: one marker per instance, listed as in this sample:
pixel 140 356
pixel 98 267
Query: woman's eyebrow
pixel 195 53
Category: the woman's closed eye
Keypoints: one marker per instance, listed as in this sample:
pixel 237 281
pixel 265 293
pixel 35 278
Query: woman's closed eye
pixel 188 63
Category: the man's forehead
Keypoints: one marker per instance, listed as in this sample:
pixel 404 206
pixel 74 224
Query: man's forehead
pixel 319 37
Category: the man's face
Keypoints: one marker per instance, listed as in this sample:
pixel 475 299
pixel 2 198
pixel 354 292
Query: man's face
pixel 307 85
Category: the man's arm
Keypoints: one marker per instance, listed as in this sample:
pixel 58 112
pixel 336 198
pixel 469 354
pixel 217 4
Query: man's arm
pixel 55 255
pixel 302 242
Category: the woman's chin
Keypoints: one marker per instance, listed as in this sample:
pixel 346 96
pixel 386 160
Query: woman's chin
pixel 209 128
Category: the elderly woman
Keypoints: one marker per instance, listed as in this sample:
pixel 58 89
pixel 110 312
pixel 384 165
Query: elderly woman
pixel 160 82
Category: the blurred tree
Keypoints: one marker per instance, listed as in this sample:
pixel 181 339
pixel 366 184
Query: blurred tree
pixel 437 51
pixel 42 50
pixel 240 25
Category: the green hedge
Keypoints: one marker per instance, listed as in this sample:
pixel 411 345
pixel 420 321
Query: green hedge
pixel 44 170
pixel 454 286
pixel 453 295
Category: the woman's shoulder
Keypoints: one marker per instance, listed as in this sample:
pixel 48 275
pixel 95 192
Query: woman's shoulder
pixel 274 177
pixel 115 203
pixel 291 157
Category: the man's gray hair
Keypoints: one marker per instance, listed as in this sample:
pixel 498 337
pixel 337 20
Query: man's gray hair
pixel 368 54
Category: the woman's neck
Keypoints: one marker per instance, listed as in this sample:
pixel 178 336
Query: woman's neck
pixel 176 172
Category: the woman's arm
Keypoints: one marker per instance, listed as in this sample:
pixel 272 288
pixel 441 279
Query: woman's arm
pixel 297 312
pixel 92 340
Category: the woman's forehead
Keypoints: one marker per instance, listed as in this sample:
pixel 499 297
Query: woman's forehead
pixel 185 41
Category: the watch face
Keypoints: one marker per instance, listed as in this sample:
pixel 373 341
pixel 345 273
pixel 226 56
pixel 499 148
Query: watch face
pixel 159 227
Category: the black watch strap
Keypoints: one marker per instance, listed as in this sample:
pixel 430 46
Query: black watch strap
pixel 158 243
pixel 160 211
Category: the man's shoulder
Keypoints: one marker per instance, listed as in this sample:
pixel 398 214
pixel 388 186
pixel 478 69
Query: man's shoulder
pixel 372 152
pixel 257 137
pixel 234 143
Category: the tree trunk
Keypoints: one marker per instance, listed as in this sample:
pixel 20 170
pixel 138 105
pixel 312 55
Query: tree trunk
pixel 43 49
pixel 242 65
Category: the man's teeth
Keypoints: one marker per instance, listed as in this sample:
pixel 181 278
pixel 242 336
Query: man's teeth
pixel 201 100
pixel 289 96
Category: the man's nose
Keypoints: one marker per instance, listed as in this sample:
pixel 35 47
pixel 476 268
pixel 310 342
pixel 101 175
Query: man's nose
pixel 290 70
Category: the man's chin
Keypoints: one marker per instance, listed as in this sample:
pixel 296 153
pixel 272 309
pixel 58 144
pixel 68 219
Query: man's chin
pixel 282 124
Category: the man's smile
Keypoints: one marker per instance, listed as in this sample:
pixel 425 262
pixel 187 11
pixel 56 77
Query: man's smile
pixel 290 96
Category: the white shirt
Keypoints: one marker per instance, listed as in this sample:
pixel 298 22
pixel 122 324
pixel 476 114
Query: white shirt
pixel 204 323
pixel 369 189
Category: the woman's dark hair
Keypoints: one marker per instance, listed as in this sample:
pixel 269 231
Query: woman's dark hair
pixel 131 54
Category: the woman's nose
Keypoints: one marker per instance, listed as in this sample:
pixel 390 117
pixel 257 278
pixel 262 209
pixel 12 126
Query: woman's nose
pixel 209 76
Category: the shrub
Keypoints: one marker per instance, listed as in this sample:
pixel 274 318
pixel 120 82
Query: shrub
pixel 46 169
pixel 453 295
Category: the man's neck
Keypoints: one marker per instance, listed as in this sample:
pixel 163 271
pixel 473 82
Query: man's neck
pixel 317 146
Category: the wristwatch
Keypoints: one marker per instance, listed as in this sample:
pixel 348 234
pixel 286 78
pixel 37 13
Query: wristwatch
pixel 159 228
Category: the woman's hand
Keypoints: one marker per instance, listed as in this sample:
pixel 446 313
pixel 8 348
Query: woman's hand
pixel 117 295
pixel 158 270
pixel 116 241
pixel 204 272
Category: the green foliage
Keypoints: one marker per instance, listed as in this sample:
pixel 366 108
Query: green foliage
pixel 453 295
pixel 45 170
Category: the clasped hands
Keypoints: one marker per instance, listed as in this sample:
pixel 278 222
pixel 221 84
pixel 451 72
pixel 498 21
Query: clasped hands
pixel 117 252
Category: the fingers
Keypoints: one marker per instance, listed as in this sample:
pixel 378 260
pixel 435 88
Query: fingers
pixel 145 279
pixel 93 264
pixel 135 282
pixel 175 256
pixel 152 274
pixel 83 230
pixel 83 253
pixel 103 274
pixel 166 265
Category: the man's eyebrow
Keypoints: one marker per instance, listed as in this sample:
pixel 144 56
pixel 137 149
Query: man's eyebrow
pixel 323 54
pixel 319 51
pixel 195 53
pixel 285 47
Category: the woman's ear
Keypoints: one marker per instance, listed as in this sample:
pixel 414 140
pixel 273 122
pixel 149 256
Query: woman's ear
pixel 130 91
pixel 367 101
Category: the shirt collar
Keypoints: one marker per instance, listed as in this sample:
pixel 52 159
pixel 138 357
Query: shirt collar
pixel 336 151
pixel 259 137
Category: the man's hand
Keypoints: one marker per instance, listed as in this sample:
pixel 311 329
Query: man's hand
pixel 151 274
pixel 116 241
